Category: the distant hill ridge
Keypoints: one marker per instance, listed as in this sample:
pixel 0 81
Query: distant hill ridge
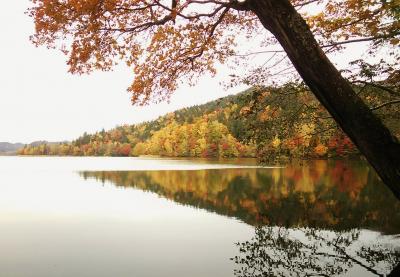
pixel 12 148
pixel 205 130
pixel 183 115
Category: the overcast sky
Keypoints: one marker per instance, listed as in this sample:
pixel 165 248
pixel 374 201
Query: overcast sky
pixel 39 100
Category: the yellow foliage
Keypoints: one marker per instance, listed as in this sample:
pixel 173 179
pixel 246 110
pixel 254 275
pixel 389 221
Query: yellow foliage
pixel 276 142
pixel 305 133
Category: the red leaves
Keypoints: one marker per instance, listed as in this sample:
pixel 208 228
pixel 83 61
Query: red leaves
pixel 341 144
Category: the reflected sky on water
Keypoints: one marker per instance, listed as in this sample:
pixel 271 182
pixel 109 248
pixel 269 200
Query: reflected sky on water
pixel 145 217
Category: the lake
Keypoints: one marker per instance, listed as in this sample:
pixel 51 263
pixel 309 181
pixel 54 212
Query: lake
pixel 95 216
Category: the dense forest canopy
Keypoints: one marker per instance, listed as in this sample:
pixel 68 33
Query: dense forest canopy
pixel 273 124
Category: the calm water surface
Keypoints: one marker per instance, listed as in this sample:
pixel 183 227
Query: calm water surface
pixel 163 217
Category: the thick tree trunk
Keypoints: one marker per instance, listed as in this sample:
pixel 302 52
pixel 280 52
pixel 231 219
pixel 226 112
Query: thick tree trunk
pixel 365 129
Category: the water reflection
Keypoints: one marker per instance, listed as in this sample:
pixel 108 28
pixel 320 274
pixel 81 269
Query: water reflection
pixel 333 195
pixel 313 219
pixel 279 251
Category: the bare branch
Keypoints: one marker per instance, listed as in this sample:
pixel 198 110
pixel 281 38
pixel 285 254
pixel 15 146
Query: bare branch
pixel 387 89
pixel 385 104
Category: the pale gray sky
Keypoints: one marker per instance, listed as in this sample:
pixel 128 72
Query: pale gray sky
pixel 40 100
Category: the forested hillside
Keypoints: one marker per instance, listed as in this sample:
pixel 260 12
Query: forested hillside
pixel 209 130
pixel 269 123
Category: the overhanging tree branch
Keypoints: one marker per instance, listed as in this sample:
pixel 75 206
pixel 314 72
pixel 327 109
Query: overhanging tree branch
pixel 385 104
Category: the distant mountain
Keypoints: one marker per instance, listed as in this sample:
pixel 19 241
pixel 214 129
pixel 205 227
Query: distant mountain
pixel 6 147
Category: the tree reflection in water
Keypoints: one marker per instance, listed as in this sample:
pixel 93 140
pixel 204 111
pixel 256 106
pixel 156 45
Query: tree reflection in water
pixel 313 205
pixel 280 251
pixel 334 195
